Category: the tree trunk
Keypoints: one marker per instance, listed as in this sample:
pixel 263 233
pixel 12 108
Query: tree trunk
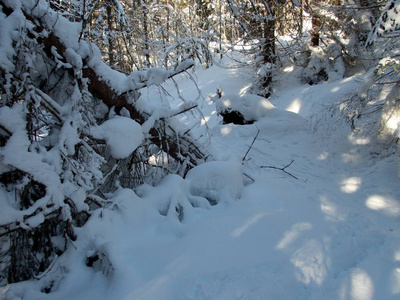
pixel 146 37
pixel 301 19
pixel 183 149
pixel 110 39
pixel 269 44
pixel 316 23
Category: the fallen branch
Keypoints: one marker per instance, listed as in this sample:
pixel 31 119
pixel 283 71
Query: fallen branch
pixel 281 169
pixel 251 146
pixel 249 177
pixel 181 111
pixel 6 229
pixel 8 132
pixel 178 71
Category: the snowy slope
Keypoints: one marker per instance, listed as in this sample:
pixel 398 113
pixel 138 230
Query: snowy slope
pixel 332 233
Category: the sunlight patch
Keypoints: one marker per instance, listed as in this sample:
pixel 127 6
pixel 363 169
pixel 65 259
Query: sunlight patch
pixel 266 104
pixel 357 140
pixel 291 235
pixel 395 276
pixel 385 204
pixel 288 69
pixel 393 123
pixel 397 256
pixel 238 231
pixel 324 155
pixel 395 281
pixel 362 287
pixel 295 106
pixel 159 159
pixel 335 89
pixel 350 185
pixel 311 262
pixel 350 158
pixel 244 90
pixel 330 210
pixel 204 120
pixel 226 130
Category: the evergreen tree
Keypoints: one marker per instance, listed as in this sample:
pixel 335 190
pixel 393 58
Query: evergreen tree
pixel 70 132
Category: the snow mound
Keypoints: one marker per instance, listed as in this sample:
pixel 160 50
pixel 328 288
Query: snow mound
pixel 217 181
pixel 172 199
pixel 123 135
pixel 252 107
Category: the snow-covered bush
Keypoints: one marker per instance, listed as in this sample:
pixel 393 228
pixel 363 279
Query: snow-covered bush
pixel 386 80
pixel 324 65
pixel 265 71
pixel 217 181
pixel 375 108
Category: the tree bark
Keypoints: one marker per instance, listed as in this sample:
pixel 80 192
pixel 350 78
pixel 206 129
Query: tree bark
pixel 109 33
pixel 269 42
pixel 316 23
pixel 146 37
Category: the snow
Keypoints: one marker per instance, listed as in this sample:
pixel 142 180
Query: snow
pixel 16 153
pixel 156 76
pixel 12 118
pixel 9 25
pixel 8 213
pixel 123 135
pixel 35 220
pixel 217 180
pixel 252 107
pixel 234 229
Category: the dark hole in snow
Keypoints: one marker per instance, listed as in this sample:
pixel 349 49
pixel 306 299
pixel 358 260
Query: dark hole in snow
pixel 47 288
pixel 235 117
pixel 179 211
pixel 319 77
pixel 92 259
pixel 212 201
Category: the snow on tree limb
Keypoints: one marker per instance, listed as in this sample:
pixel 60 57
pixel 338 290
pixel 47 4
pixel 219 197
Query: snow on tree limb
pixel 59 153
pixel 388 23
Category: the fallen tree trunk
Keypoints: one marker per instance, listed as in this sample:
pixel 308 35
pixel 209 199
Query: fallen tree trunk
pixel 180 150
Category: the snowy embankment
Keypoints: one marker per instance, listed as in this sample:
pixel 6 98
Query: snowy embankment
pixel 332 233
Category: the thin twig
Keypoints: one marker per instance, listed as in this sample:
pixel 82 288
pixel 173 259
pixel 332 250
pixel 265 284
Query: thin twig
pixel 249 177
pixel 182 111
pixel 281 169
pixel 49 268
pixel 252 143
pixel 9 133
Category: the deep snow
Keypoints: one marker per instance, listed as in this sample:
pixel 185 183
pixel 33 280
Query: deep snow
pixel 332 234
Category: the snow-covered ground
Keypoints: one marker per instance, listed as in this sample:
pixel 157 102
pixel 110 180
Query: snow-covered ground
pixel 329 228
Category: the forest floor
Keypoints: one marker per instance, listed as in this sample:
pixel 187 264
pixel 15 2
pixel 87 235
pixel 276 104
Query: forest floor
pixel 325 227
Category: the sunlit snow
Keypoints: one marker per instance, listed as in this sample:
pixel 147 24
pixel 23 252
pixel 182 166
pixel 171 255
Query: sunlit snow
pixel 238 227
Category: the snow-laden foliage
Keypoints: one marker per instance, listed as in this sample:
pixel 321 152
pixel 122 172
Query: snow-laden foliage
pixel 324 65
pixel 375 107
pixel 45 162
pixel 101 194
pixel 122 135
pixel 69 133
pixel 389 22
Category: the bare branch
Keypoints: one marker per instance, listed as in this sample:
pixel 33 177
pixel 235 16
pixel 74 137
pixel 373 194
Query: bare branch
pixel 252 143
pixel 282 169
